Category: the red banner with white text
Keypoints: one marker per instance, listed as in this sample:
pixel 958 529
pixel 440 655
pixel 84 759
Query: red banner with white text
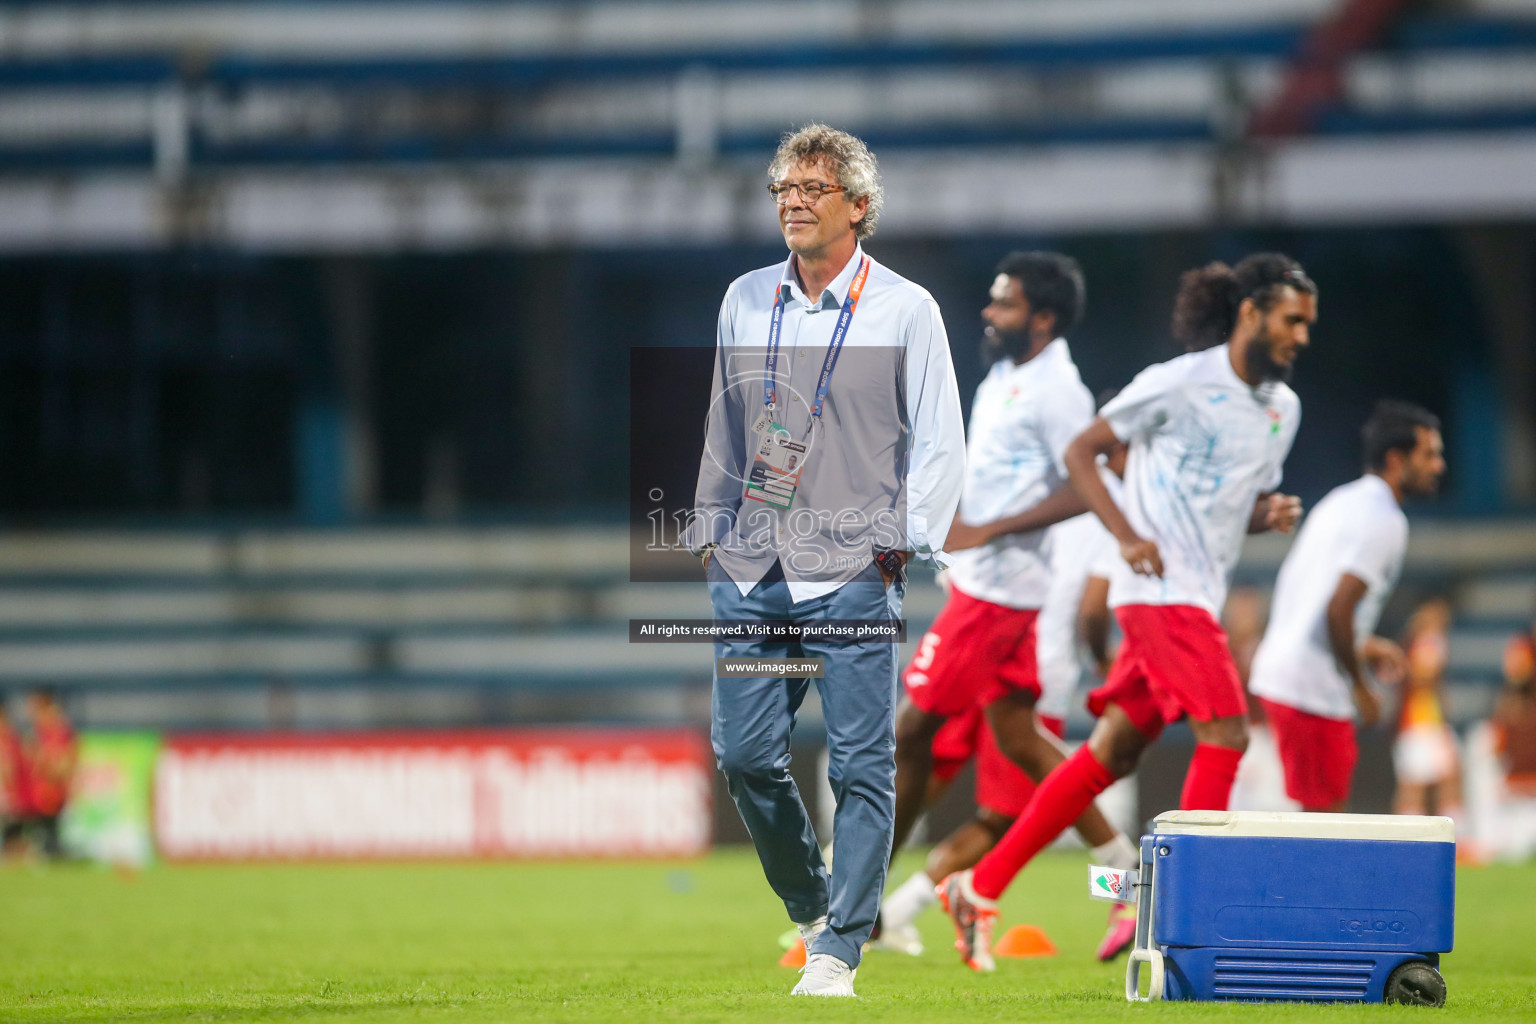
pixel 526 793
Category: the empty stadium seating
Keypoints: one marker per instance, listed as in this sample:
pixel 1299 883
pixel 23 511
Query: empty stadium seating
pixel 350 628
pixel 260 84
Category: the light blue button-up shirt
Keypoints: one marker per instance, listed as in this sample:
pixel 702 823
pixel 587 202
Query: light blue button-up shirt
pixel 887 460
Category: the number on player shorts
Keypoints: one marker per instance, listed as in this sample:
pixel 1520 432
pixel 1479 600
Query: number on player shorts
pixel 925 651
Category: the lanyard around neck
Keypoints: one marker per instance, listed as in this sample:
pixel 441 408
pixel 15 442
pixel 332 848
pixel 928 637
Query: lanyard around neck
pixel 834 347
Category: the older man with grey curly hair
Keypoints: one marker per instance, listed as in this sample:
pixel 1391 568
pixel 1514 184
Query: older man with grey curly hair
pixel 833 453
pixel 846 158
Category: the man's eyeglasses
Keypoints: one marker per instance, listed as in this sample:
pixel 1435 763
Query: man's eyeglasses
pixel 810 191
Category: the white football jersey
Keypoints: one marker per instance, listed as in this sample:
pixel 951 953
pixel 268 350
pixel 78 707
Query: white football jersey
pixel 1203 446
pixel 1022 420
pixel 1357 529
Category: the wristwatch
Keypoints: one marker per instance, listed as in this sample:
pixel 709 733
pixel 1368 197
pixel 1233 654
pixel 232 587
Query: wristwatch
pixel 890 563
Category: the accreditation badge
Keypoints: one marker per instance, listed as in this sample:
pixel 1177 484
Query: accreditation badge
pixel 776 467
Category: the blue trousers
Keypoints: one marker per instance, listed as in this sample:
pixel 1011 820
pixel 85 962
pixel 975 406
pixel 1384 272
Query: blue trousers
pixel 752 721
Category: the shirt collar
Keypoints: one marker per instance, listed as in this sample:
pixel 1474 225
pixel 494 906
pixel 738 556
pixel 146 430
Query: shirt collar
pixel 832 297
pixel 1053 352
pixel 1261 391
pixel 1222 356
pixel 1381 486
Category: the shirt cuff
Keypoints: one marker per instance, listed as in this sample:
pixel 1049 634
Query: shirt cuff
pixel 921 544
pixel 709 526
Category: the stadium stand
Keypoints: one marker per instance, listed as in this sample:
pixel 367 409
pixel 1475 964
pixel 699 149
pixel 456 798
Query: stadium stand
pixel 225 86
pixel 238 99
pixel 205 129
pixel 465 626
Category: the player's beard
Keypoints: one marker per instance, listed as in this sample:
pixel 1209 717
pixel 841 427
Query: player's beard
pixel 996 344
pixel 1421 485
pixel 1261 362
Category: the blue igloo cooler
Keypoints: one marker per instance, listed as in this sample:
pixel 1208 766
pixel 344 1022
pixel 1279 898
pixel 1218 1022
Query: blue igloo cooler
pixel 1240 905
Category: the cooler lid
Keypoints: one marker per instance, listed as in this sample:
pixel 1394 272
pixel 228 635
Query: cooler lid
pixel 1411 828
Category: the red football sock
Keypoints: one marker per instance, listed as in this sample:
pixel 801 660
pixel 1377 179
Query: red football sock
pixel 1208 785
pixel 1059 800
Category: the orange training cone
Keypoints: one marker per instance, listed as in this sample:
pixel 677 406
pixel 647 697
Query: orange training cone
pixel 1024 940
pixel 795 955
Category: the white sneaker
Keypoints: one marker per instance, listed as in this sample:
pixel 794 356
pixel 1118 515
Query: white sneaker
pixel 825 975
pixel 810 929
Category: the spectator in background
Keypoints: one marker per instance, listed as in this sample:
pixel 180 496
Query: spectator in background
pixel 15 802
pixel 1512 832
pixel 52 755
pixel 1514 716
pixel 1424 755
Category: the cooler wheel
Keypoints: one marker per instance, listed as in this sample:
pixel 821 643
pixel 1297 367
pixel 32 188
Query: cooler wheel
pixel 1416 983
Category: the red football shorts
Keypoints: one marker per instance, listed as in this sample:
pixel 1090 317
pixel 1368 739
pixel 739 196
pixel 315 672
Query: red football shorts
pixel 1174 661
pixel 975 653
pixel 1318 753
pixel 1001 785
pixel 955 743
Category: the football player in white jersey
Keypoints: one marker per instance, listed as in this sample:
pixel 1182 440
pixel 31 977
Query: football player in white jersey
pixel 1308 672
pixel 981 648
pixel 1208 433
pixel 1075 616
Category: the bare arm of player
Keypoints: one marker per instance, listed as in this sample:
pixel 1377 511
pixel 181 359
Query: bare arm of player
pixel 1093 621
pixel 1387 660
pixel 1060 505
pixel 1278 512
pixel 1341 640
pixel 1081 458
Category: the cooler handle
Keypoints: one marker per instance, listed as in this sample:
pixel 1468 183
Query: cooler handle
pixel 1153 958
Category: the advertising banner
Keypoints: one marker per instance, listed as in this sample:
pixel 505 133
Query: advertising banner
pixel 533 793
pixel 108 814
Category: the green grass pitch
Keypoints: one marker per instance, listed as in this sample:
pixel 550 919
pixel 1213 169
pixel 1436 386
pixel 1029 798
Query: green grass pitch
pixel 596 942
